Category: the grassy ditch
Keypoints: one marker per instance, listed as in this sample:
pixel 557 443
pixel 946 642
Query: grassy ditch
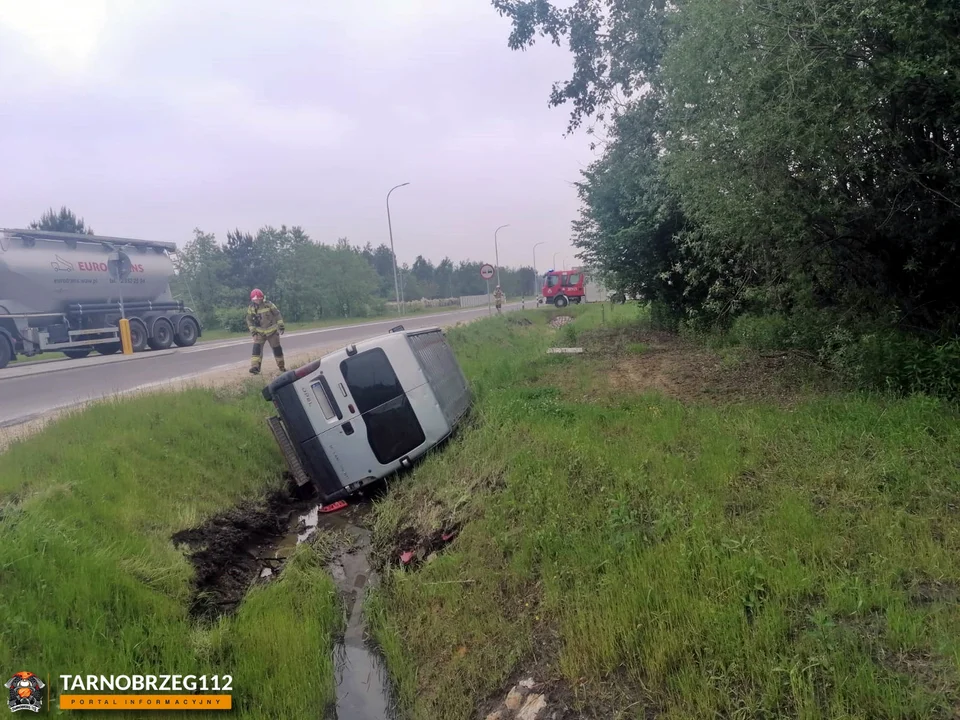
pixel 92 583
pixel 653 529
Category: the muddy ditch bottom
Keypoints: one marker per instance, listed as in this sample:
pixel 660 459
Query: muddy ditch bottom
pixel 249 544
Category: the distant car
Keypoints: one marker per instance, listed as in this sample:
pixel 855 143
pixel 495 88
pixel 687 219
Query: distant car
pixel 362 413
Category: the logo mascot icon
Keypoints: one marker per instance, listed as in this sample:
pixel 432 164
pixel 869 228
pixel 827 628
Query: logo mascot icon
pixel 25 693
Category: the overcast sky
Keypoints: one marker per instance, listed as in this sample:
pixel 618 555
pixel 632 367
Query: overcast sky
pixel 152 117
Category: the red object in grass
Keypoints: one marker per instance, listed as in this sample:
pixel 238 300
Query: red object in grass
pixel 333 507
pixel 447 537
pixel 406 557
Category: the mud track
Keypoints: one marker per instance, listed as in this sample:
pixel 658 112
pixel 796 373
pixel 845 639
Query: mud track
pixel 228 551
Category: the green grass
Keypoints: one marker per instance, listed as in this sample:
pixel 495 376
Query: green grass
pixel 647 556
pixel 91 582
pixel 641 555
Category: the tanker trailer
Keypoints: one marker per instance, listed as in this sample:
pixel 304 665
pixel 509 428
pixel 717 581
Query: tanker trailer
pixel 57 294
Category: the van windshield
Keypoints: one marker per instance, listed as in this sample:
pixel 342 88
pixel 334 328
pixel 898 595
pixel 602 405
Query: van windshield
pixel 393 429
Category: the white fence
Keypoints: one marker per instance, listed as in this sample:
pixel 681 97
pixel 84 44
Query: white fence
pixel 469 301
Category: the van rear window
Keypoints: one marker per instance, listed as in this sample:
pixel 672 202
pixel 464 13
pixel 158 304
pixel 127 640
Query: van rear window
pixel 393 429
pixel 371 379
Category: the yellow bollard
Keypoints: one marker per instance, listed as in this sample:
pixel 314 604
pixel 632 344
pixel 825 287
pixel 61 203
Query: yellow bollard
pixel 125 340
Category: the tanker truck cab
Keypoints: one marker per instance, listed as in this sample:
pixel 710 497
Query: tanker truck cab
pixel 62 292
pixel 362 413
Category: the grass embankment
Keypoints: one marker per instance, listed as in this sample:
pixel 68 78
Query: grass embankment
pixel 654 530
pixel 90 581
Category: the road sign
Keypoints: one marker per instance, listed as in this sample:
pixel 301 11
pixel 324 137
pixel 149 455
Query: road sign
pixel 119 266
pixel 486 271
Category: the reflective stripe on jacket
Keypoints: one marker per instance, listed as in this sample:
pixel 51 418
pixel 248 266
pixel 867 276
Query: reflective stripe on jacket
pixel 264 319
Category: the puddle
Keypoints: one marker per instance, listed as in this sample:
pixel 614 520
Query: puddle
pixel 362 685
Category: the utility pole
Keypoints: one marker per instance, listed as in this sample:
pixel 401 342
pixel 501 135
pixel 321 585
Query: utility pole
pixel 496 247
pixel 396 279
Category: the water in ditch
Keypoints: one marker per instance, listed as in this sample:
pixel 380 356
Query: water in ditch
pixel 362 685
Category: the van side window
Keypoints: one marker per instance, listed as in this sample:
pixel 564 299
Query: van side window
pixel 573 279
pixel 393 429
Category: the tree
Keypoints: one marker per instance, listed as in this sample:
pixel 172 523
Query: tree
pixel 798 156
pixel 63 221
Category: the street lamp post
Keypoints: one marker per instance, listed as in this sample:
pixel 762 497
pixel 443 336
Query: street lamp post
pixel 396 279
pixel 496 247
pixel 535 268
pixel 555 260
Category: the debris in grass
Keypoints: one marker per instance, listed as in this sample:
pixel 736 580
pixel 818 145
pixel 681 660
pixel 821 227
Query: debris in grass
pixel 560 321
pixel 521 703
pixel 565 350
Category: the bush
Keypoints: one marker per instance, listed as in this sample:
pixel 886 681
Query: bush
pixel 232 319
pixel 763 333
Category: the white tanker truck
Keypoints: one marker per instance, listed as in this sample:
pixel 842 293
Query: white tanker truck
pixel 58 294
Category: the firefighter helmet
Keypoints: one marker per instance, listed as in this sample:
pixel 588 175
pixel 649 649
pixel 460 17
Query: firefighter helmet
pixel 256 294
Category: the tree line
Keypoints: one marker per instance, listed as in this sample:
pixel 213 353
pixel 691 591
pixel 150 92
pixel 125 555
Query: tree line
pixel 785 171
pixel 308 280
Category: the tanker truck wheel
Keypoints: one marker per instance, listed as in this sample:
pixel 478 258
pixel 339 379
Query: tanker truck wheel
pixel 77 354
pixel 138 335
pixel 162 335
pixel 109 348
pixel 6 352
pixel 187 333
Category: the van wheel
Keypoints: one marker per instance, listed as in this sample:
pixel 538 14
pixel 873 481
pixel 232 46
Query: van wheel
pixel 77 354
pixel 561 301
pixel 162 335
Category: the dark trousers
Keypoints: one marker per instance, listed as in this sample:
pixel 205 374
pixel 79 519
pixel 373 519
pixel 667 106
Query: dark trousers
pixel 274 341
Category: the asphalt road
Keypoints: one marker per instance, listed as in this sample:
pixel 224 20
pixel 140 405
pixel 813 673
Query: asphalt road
pixel 32 390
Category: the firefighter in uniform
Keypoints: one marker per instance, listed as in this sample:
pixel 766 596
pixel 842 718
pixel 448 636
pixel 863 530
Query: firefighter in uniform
pixel 498 298
pixel 266 326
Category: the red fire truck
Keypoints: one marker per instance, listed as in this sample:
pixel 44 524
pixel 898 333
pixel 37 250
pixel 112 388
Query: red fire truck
pixel 562 287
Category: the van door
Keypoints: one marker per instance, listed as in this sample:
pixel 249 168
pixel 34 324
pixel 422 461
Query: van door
pixel 388 420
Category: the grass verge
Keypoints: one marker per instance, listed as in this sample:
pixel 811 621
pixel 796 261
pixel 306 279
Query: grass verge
pixel 91 582
pixel 655 530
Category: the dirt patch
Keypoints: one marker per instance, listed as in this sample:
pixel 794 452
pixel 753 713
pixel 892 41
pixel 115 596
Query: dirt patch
pixel 411 547
pixel 928 591
pixel 226 550
pixel 650 361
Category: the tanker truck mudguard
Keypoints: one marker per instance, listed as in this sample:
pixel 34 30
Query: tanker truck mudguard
pixel 360 414
pixel 58 294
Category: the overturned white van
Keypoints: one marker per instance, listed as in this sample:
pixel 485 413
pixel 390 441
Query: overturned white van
pixel 360 414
